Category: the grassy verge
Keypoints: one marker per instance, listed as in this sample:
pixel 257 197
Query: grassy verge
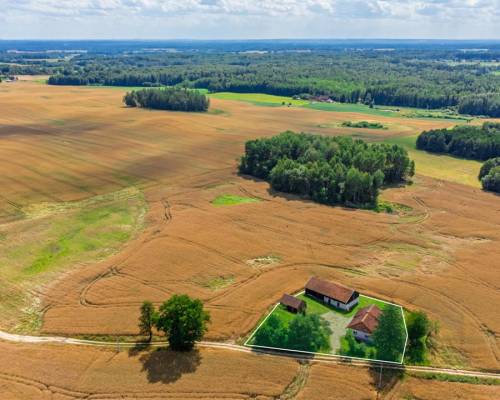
pixel 231 200
pixel 439 166
pixel 55 237
pixel 474 380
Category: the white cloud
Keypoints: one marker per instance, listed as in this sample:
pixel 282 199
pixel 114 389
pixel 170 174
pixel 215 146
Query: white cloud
pixel 249 18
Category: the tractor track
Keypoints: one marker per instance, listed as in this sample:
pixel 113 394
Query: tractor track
pixel 336 360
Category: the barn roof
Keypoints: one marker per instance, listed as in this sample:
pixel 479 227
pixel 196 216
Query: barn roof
pixel 330 289
pixel 366 319
pixel 292 301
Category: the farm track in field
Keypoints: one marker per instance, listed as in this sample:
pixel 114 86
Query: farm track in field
pixel 233 347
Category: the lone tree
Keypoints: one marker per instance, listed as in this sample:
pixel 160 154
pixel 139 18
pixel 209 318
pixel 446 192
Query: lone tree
pixel 389 337
pixel 419 329
pixel 146 320
pixel 183 321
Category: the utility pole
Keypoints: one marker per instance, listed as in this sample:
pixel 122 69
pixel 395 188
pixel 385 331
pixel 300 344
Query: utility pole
pixel 379 386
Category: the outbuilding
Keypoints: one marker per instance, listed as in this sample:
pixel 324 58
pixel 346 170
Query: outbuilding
pixel 293 304
pixel 332 294
pixel 365 322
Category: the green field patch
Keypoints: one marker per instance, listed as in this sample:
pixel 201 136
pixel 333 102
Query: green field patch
pixel 439 166
pixel 215 283
pixel 231 200
pixel 363 125
pixel 392 208
pixel 352 108
pixel 259 99
pixel 51 238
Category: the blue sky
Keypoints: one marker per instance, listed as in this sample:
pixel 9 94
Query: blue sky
pixel 240 19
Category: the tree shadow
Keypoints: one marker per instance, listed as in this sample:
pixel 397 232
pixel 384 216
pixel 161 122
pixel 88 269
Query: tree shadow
pixel 164 365
pixel 385 377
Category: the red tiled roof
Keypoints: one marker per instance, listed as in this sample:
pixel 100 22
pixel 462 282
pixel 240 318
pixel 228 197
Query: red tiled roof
pixel 291 301
pixel 330 289
pixel 366 319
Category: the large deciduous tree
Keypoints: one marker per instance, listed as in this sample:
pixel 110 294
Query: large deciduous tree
pixel 183 320
pixel 390 336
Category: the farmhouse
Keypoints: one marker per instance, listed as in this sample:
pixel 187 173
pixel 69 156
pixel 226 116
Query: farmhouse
pixel 365 322
pixel 293 304
pixel 331 293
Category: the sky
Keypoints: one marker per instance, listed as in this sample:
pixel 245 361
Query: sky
pixel 249 19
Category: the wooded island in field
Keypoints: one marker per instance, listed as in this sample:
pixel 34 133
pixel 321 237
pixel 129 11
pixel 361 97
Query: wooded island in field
pixel 331 170
pixel 174 99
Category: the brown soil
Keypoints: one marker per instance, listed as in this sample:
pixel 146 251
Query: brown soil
pixel 64 143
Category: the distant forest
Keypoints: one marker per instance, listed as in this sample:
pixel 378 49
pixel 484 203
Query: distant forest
pixel 475 142
pixel 175 99
pixel 463 76
pixel 413 78
pixel 330 170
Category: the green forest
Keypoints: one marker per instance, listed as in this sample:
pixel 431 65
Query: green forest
pixel 407 78
pixel 329 170
pixel 489 175
pixel 474 142
pixel 174 99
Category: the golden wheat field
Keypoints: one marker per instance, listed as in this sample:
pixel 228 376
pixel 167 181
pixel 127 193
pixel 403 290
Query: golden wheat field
pixel 103 207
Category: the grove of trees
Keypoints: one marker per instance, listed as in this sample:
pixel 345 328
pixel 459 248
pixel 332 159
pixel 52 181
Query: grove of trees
pixel 330 170
pixel 174 99
pixel 479 143
pixel 489 175
pixel 304 332
pixel 182 319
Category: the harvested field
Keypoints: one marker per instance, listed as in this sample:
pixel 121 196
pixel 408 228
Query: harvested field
pixel 67 144
pixel 78 373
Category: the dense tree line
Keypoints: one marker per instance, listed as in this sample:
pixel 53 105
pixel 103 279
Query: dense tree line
pixel 489 175
pixel 483 104
pixel 425 79
pixel 479 143
pixel 331 170
pixel 175 99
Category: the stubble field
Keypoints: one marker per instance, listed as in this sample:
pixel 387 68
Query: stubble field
pixel 67 152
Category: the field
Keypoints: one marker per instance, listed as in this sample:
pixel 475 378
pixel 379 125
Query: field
pixel 259 99
pixel 67 154
pixel 440 166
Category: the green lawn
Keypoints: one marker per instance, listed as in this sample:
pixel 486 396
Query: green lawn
pixel 319 308
pixel 440 166
pixel 231 200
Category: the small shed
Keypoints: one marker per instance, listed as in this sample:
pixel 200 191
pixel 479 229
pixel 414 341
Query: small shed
pixel 293 304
